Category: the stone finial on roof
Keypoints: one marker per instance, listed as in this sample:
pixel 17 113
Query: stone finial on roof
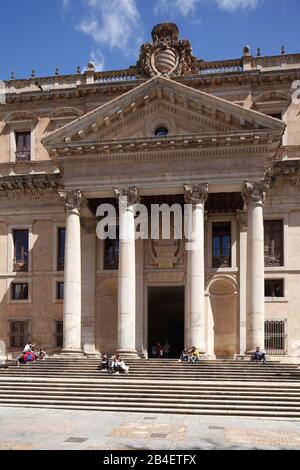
pixel 247 51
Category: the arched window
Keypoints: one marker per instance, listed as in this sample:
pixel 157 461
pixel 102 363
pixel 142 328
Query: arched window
pixel 161 132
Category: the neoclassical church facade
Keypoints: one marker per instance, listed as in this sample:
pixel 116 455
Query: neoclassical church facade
pixel 220 136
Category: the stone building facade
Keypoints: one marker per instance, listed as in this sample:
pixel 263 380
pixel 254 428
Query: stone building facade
pixel 222 136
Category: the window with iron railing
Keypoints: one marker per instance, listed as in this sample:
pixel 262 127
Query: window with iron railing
pixel 19 333
pixel 58 333
pixel 111 253
pixel 275 337
pixel 273 232
pixel 21 248
pixel 23 146
pixel 61 239
pixel 221 245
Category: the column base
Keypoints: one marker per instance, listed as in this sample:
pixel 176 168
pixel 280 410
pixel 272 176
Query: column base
pixel 72 353
pixel 240 357
pixel 206 357
pixel 93 355
pixel 209 357
pixel 128 353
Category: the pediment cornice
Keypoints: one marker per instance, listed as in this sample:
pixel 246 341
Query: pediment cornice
pixel 183 147
pixel 216 112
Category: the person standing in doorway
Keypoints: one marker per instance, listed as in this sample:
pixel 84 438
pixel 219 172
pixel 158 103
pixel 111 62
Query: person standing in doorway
pixel 159 350
pixel 166 349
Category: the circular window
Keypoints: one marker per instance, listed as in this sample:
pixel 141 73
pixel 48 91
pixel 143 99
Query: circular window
pixel 161 132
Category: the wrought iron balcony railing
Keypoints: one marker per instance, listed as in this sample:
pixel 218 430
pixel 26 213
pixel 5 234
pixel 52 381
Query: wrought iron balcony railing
pixel 20 265
pixel 60 264
pixel 273 260
pixel 23 156
pixel 221 262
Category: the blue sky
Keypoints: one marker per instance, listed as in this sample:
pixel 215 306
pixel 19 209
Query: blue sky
pixel 45 34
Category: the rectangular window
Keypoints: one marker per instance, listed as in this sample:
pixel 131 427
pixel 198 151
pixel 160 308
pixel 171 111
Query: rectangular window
pixel 59 290
pixel 21 249
pixel 221 245
pixel 61 239
pixel 273 243
pixel 58 333
pixel 19 333
pixel 111 253
pixel 23 146
pixel 19 291
pixel 275 337
pixel 274 288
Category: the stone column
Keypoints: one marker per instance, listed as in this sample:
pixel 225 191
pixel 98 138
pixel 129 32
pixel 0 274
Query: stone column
pixel 243 219
pixel 88 290
pixel 254 195
pixel 72 281
pixel 128 197
pixel 196 196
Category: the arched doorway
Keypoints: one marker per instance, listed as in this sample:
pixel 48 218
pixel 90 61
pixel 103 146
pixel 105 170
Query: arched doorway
pixel 223 306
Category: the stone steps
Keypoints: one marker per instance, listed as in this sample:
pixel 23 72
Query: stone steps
pixel 158 386
pixel 188 411
pixel 213 375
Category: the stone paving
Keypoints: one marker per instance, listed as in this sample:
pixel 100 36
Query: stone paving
pixel 41 429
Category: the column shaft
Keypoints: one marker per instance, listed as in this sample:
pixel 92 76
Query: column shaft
pixel 72 287
pixel 243 281
pixel 195 288
pixel 88 287
pixel 127 274
pixel 72 276
pixel 255 194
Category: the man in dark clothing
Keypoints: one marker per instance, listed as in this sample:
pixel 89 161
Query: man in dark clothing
pixel 259 356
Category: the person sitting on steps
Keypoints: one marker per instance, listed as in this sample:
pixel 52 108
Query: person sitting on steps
pixel 121 366
pixel 104 362
pixel 27 356
pixel 259 356
pixel 184 356
pixel 194 355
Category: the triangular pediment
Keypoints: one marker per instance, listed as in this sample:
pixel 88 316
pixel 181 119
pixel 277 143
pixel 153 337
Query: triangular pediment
pixel 162 102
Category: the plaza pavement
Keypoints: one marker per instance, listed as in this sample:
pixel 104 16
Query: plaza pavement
pixel 41 429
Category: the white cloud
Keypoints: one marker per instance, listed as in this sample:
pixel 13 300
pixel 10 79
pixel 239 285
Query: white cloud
pixel 65 4
pixel 114 23
pixel 233 5
pixel 187 7
pixel 183 7
pixel 98 60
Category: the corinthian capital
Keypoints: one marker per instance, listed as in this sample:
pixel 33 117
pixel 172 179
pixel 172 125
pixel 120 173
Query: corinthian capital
pixel 129 195
pixel 255 192
pixel 196 193
pixel 73 199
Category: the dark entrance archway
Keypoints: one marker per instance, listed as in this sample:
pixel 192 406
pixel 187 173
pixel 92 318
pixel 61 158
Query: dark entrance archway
pixel 166 318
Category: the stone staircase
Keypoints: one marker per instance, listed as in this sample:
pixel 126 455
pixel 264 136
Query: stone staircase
pixel 222 387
